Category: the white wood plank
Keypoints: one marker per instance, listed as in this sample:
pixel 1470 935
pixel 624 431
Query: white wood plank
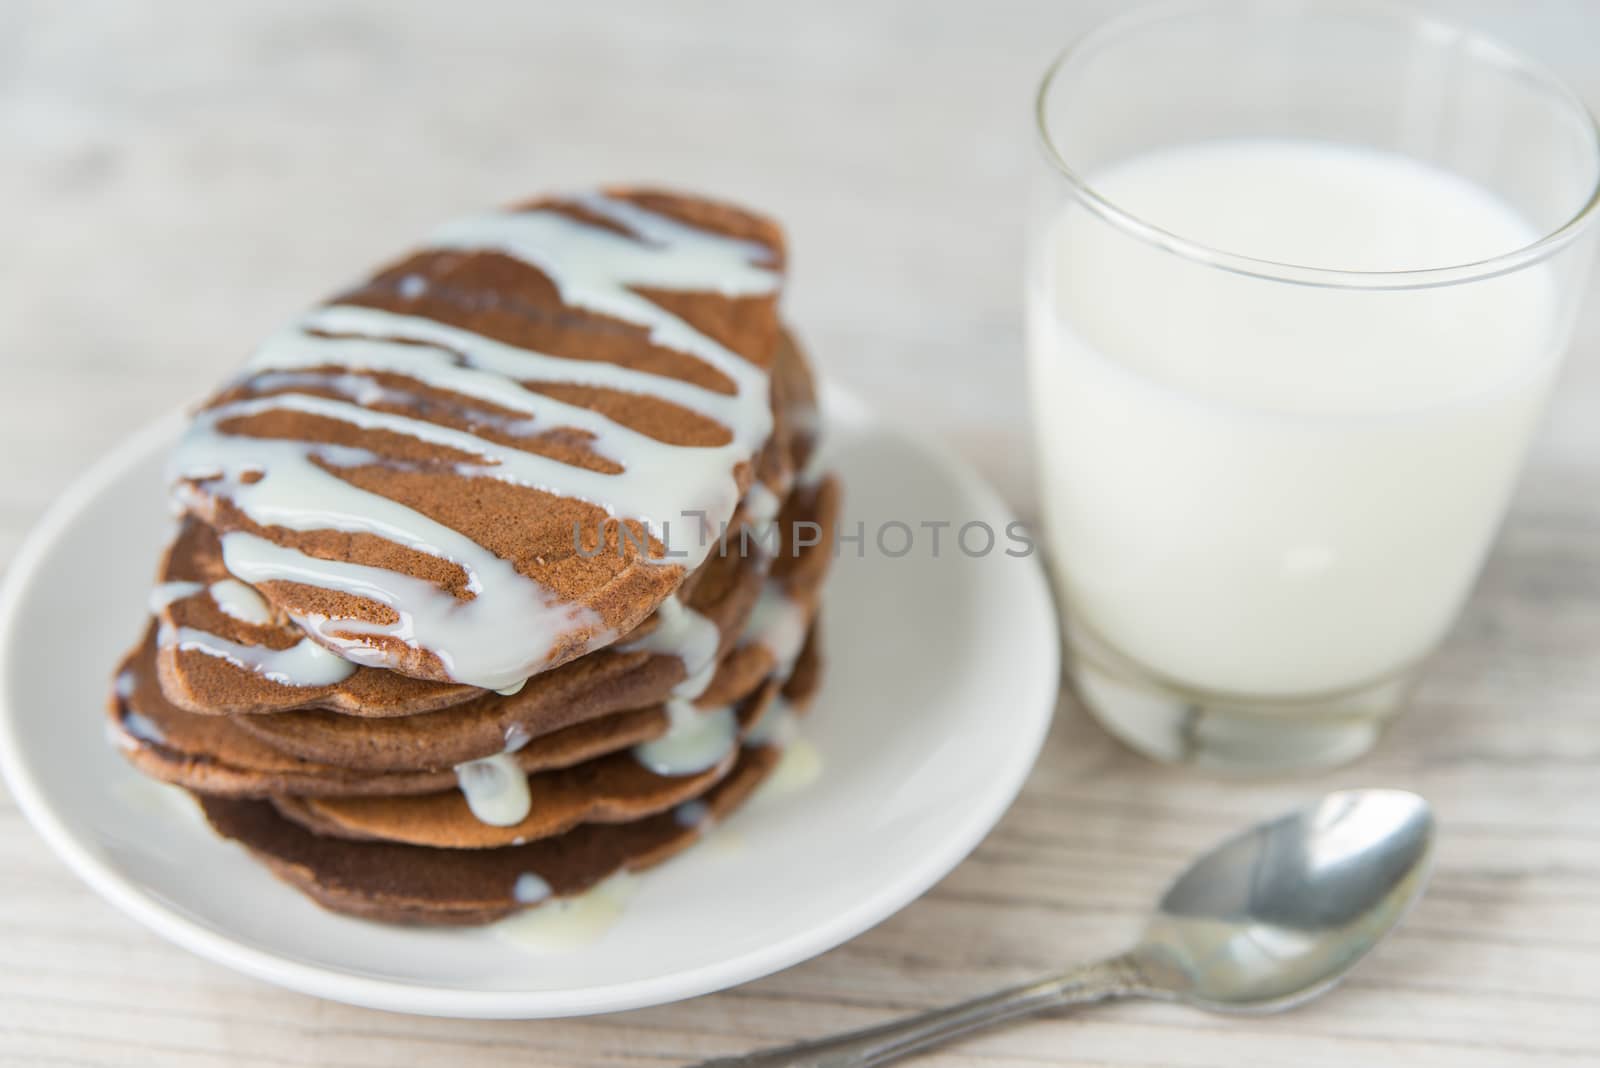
pixel 180 176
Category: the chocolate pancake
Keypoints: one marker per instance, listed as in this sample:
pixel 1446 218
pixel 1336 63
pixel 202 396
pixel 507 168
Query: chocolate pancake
pixel 415 884
pixel 618 788
pixel 216 660
pixel 586 688
pixel 227 647
pixel 212 755
pixel 466 469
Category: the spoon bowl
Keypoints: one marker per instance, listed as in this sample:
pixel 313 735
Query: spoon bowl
pixel 1278 914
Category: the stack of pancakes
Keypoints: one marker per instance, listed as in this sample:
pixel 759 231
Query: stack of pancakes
pixel 498 573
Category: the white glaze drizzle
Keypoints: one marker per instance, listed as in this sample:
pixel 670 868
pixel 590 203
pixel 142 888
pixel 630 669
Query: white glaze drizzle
pixel 304 663
pixel 761 505
pixel 798 768
pixel 777 726
pixel 651 489
pixel 505 630
pixel 816 466
pixel 517 736
pixel 141 727
pixel 118 738
pixel 496 789
pixel 471 637
pixel 695 741
pixel 778 623
pixel 241 602
pixel 800 764
pixel 598 270
pixel 566 924
pixel 807 420
pixel 694 814
pixel 530 889
pixel 448 357
pixel 169 592
pixel 367 392
pixel 693 638
pixel 489 371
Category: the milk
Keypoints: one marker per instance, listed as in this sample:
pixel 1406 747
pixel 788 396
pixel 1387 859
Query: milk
pixel 1260 488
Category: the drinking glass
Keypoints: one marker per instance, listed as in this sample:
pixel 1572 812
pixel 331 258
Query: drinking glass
pixel 1299 278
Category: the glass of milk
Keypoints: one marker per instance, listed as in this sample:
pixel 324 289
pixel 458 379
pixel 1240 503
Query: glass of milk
pixel 1300 277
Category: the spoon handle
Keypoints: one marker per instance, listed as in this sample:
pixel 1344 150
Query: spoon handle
pixel 891 1041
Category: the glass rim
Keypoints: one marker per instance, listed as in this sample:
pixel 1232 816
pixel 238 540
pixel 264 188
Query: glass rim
pixel 1484 47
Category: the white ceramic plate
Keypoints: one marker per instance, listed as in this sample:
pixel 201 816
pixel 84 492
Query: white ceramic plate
pixel 941 679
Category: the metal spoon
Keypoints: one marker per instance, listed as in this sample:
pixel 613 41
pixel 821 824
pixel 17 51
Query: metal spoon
pixel 1265 921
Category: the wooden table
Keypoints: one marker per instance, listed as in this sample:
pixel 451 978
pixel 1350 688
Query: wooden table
pixel 182 176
